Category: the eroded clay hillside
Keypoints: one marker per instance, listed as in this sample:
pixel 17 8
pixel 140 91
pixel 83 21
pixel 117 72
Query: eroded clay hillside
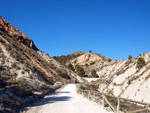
pixel 126 80
pixel 26 74
pixel 90 61
pixel 121 77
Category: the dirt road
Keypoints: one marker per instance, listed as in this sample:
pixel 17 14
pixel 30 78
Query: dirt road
pixel 66 101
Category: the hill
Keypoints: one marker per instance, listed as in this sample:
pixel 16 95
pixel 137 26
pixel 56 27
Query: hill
pixel 65 59
pixel 128 78
pixel 26 74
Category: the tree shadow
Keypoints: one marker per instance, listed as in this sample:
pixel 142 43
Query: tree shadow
pixel 49 100
pixel 52 99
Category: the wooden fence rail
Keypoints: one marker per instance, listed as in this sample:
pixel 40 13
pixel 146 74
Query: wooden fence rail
pixel 90 94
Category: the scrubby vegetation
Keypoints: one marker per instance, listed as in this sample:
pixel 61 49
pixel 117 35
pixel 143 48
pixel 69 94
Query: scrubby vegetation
pixel 93 86
pixel 130 57
pixel 86 65
pixel 140 63
pixel 64 59
pixel 110 91
pixel 82 87
pixel 80 70
pixel 89 87
pixel 94 74
pixel 63 73
pixel 18 60
pixel 70 66
pixel 90 51
pixel 92 63
pixel 109 60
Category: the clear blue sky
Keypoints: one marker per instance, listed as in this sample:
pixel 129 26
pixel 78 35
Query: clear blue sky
pixel 113 28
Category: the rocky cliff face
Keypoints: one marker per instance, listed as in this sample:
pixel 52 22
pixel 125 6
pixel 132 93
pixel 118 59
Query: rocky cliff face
pixel 16 34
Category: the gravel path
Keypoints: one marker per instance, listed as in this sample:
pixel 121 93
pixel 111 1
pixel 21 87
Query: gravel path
pixel 66 101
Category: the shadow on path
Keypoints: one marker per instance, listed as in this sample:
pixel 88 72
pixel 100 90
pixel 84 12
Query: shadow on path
pixel 53 99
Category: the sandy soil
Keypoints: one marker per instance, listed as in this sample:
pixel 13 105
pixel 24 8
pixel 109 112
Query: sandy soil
pixel 66 101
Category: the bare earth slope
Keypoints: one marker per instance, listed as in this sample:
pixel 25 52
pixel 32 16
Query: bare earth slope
pixel 66 101
pixel 26 74
pixel 120 76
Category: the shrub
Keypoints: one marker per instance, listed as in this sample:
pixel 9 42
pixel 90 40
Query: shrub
pixel 75 61
pixel 70 66
pixel 90 51
pixel 109 60
pixel 94 74
pixel 80 70
pixel 63 73
pixel 27 91
pixel 20 80
pixel 130 57
pixel 86 65
pixel 92 63
pixel 124 106
pixel 112 100
pixel 93 86
pixel 64 59
pixel 82 87
pixel 140 63
pixel 110 92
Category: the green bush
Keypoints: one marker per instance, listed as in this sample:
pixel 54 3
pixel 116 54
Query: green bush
pixel 110 92
pixel 112 100
pixel 124 106
pixel 80 70
pixel 86 65
pixel 93 86
pixel 92 63
pixel 94 74
pixel 140 63
pixel 130 57
pixel 109 60
pixel 64 59
pixel 90 51
pixel 70 66
pixel 63 73
pixel 82 87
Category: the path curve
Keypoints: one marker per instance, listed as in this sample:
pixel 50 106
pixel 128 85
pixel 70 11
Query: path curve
pixel 66 101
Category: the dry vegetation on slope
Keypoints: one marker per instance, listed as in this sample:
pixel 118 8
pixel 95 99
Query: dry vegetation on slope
pixel 22 73
pixel 126 78
pixel 25 75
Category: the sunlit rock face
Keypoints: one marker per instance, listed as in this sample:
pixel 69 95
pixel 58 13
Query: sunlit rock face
pixel 16 34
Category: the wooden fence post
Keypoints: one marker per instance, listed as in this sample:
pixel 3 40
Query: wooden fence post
pixel 88 95
pixel 94 96
pixel 103 101
pixel 118 105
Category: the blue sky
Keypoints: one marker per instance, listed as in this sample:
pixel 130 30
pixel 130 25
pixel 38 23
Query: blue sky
pixel 113 28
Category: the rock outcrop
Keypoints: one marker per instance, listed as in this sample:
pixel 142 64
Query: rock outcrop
pixel 16 34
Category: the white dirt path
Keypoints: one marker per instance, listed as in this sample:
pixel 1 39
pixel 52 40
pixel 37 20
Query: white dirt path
pixel 66 101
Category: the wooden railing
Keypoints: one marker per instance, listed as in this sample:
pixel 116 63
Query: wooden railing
pixel 101 98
